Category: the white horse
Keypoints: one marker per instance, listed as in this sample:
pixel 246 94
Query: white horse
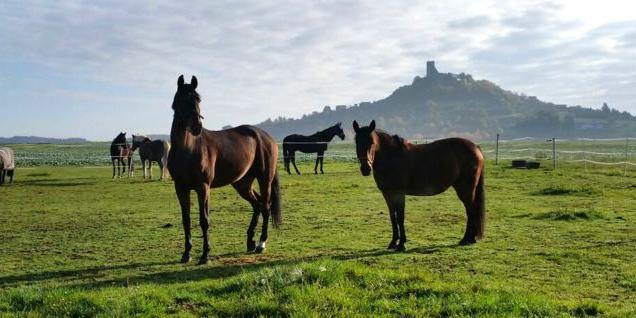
pixel 152 150
pixel 7 164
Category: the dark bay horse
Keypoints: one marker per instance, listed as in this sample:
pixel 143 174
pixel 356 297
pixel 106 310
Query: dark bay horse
pixel 201 159
pixel 401 168
pixel 120 151
pixel 152 150
pixel 7 164
pixel 316 143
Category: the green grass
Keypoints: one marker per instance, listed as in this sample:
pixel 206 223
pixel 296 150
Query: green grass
pixel 74 242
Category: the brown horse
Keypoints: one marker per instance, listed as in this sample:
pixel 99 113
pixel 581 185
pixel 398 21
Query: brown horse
pixel 120 152
pixel 201 159
pixel 401 168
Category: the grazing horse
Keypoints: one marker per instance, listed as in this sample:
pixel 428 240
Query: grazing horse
pixel 7 164
pixel 119 151
pixel 152 150
pixel 201 159
pixel 309 144
pixel 401 168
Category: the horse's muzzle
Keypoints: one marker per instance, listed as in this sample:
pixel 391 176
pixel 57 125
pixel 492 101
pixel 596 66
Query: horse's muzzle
pixel 365 170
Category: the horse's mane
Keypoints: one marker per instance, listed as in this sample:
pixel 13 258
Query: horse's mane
pixel 121 138
pixel 392 140
pixel 327 130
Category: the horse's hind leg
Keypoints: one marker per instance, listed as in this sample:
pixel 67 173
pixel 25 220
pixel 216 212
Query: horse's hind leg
pixel 293 161
pixel 466 192
pixel 265 185
pixel 316 165
pixel 244 188
pixel 322 159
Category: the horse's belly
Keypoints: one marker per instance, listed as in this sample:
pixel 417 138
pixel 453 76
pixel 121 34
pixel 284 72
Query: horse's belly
pixel 228 173
pixel 425 190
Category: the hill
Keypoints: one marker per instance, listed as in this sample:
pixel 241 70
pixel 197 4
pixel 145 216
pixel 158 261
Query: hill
pixel 446 104
pixel 39 140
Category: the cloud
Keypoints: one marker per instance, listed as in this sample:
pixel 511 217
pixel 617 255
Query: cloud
pixel 258 59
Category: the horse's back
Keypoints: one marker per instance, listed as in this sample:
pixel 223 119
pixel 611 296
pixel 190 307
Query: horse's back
pixel 226 156
pixel 430 169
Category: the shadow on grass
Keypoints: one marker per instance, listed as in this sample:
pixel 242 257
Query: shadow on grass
pixel 192 272
pixel 16 280
pixel 57 182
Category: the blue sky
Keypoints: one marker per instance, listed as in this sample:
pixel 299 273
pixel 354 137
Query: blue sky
pixel 92 69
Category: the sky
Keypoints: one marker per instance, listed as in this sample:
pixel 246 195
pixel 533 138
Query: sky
pixel 94 68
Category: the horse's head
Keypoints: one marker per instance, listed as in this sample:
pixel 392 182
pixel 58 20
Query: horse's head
pixel 366 145
pixel 137 140
pixel 186 106
pixel 121 138
pixel 339 131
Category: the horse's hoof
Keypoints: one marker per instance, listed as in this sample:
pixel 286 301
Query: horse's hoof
pixel 392 245
pixel 260 248
pixel 185 258
pixel 467 241
pixel 251 245
pixel 203 260
pixel 400 248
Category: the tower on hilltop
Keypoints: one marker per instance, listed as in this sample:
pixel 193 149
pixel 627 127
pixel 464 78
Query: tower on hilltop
pixel 430 69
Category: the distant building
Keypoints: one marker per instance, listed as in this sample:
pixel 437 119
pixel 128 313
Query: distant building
pixel 430 69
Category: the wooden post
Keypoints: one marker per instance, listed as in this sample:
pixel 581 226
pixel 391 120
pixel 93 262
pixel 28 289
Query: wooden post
pixel 554 158
pixel 626 155
pixel 497 150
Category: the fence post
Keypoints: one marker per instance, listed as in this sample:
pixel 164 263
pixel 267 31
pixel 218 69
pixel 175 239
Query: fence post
pixel 497 150
pixel 584 154
pixel 626 155
pixel 554 158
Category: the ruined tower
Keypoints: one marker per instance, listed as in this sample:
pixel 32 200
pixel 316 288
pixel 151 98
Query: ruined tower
pixel 430 69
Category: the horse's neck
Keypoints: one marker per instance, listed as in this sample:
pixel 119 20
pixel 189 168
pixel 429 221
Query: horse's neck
pixel 324 136
pixel 181 139
pixel 389 151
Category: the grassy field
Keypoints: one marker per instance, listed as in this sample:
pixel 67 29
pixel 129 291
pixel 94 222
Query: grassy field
pixel 73 242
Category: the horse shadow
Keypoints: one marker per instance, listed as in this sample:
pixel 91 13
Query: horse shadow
pixel 190 273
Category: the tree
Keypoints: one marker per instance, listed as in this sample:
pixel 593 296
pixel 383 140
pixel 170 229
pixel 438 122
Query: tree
pixel 605 108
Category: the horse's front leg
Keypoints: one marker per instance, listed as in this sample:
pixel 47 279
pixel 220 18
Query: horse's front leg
pixel 395 203
pixel 113 161
pixel 394 227
pixel 203 196
pixel 183 195
pixel 150 169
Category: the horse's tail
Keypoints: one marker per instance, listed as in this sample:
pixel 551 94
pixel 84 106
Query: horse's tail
pixel 277 217
pixel 479 212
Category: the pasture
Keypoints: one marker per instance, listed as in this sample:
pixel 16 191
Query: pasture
pixel 74 242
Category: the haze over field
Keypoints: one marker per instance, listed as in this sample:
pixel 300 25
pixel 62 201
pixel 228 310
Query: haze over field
pixel 89 70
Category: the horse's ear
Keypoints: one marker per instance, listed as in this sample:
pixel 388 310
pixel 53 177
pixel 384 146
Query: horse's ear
pixel 372 125
pixel 356 127
pixel 180 81
pixel 339 123
pixel 194 82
